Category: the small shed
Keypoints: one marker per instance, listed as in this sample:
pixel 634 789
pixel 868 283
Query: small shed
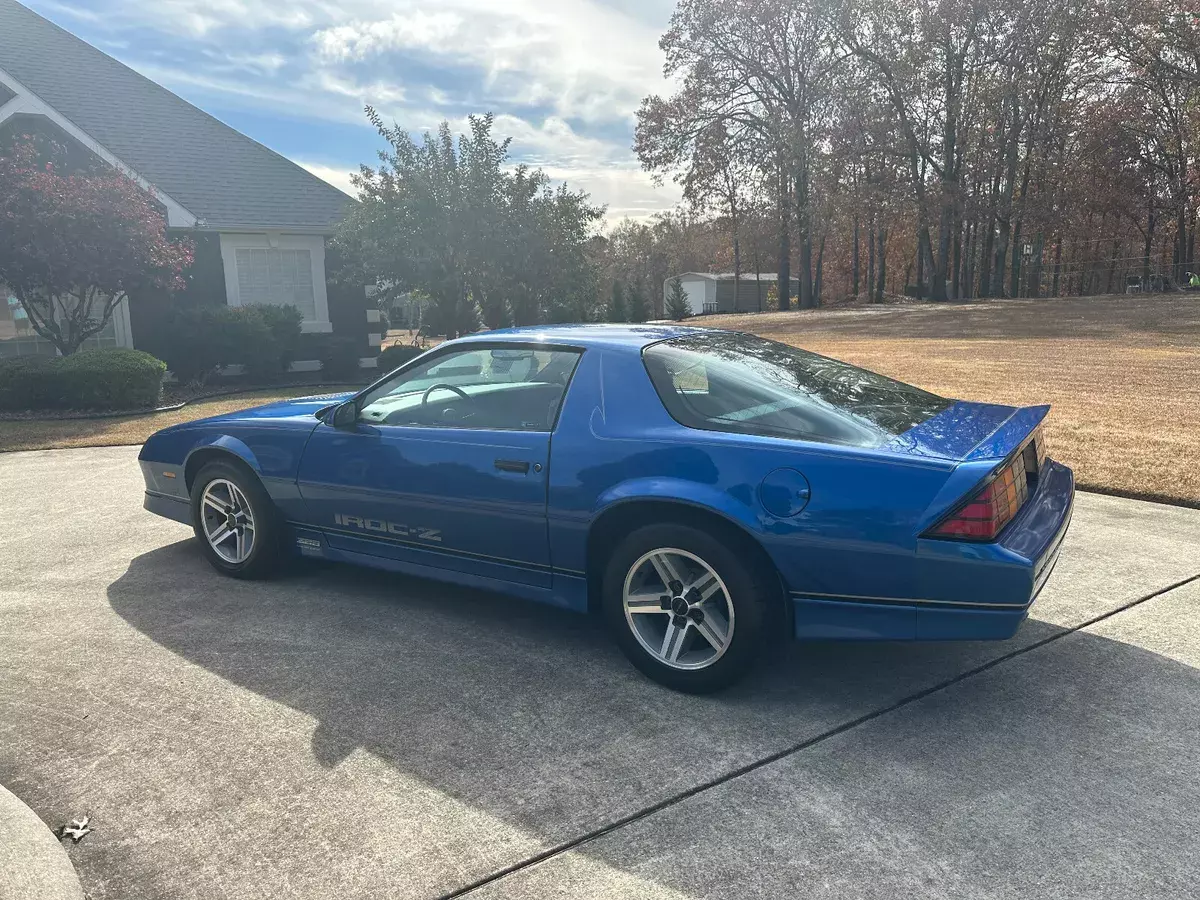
pixel 721 293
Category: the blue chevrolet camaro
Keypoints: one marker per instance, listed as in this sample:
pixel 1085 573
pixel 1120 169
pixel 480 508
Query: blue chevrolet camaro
pixel 701 489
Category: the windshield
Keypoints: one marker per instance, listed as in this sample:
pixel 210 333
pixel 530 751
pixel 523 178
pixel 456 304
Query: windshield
pixel 740 383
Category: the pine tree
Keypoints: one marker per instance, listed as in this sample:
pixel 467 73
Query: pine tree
pixel 616 306
pixel 639 309
pixel 678 307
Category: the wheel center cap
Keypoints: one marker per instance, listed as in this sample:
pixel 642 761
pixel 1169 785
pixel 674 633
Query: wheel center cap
pixel 679 606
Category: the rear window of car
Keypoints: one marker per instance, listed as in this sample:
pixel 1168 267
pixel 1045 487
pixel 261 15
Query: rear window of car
pixel 739 383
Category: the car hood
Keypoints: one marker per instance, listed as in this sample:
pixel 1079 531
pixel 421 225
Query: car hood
pixel 303 408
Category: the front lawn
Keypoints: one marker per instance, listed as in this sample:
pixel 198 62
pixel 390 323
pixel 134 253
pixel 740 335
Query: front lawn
pixel 43 434
pixel 1122 373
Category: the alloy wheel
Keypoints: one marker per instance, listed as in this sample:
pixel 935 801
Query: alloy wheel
pixel 678 608
pixel 228 521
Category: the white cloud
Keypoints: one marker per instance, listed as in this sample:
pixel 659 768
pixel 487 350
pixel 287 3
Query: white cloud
pixel 584 59
pixel 583 65
pixel 415 30
pixel 338 177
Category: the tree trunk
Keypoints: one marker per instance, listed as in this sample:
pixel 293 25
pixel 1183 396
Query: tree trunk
pixel 784 284
pixel 881 265
pixel 1057 264
pixel 989 242
pixel 968 282
pixel 854 260
pixel 757 278
pixel 940 262
pixel 804 227
pixel 871 258
pixel 1033 280
pixel 1012 146
pixel 1112 264
pixel 922 237
pixel 1148 248
pixel 1014 283
pixel 956 284
pixel 1181 243
pixel 1191 250
pixel 820 267
pixel 737 274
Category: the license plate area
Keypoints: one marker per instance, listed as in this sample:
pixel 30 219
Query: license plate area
pixel 1034 456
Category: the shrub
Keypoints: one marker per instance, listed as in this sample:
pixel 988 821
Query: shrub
pixel 263 339
pixel 677 306
pixel 771 301
pixel 90 379
pixel 339 358
pixel 109 379
pixel 24 382
pixel 284 324
pixel 186 345
pixel 394 357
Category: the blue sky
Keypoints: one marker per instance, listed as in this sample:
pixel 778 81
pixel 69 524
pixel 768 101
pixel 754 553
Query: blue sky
pixel 564 77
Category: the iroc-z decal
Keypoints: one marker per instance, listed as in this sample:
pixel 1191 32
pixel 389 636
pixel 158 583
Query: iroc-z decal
pixel 379 526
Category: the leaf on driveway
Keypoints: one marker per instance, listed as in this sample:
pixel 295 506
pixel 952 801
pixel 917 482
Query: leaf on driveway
pixel 76 830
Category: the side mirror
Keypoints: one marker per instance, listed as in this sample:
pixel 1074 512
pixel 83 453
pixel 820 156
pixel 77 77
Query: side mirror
pixel 345 416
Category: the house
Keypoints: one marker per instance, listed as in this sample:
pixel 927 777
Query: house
pixel 713 293
pixel 259 222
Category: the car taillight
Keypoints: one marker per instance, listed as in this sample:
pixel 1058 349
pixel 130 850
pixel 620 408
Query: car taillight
pixel 988 510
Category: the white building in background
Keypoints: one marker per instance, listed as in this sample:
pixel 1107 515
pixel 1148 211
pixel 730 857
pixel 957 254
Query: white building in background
pixel 715 292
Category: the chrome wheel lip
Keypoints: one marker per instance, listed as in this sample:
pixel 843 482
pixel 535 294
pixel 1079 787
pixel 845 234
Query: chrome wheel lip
pixel 650 626
pixel 227 521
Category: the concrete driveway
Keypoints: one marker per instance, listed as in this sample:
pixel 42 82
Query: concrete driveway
pixel 346 734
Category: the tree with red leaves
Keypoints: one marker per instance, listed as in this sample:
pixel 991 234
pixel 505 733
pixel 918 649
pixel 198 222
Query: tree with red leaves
pixel 73 245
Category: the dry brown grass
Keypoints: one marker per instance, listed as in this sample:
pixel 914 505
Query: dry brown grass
pixel 46 434
pixel 1122 373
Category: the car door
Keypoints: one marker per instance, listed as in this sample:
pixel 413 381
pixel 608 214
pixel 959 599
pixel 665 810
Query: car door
pixel 446 465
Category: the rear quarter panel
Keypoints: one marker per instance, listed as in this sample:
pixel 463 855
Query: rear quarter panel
pixel 616 443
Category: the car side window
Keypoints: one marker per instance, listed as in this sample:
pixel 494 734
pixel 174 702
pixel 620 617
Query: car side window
pixel 509 389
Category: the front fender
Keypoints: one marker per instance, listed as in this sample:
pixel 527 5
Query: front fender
pixel 229 444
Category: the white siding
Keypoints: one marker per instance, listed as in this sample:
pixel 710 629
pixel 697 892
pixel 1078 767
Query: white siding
pixel 695 293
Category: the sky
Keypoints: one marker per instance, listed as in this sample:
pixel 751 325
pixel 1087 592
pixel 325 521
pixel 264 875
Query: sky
pixel 564 78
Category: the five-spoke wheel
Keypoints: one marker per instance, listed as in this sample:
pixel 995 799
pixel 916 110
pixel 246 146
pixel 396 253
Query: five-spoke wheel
pixel 686 606
pixel 678 608
pixel 228 521
pixel 235 520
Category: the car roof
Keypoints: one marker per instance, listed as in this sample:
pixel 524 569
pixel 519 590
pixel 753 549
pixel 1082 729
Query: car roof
pixel 627 337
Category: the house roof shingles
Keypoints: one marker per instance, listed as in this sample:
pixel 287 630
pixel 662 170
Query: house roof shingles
pixel 218 174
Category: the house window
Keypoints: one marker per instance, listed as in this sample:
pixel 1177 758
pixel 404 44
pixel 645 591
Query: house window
pixel 278 269
pixel 17 337
pixel 280 277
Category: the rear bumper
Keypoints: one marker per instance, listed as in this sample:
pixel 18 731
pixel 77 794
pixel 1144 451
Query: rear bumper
pixel 971 592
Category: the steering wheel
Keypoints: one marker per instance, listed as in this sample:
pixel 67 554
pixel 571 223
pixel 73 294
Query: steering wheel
pixel 447 387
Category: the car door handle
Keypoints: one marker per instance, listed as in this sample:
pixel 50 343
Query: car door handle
pixel 513 465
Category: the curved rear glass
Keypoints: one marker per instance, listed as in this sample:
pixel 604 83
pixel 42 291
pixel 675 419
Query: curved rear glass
pixel 740 383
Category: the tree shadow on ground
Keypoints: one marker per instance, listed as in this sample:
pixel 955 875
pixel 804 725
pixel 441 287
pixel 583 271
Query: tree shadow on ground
pixel 530 714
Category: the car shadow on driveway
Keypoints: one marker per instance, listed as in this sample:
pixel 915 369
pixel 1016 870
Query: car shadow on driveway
pixel 531 715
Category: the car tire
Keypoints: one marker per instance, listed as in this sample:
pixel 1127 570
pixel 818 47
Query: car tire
pixel 242 540
pixel 717 586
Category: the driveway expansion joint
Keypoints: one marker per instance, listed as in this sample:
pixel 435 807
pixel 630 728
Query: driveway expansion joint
pixel 675 799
